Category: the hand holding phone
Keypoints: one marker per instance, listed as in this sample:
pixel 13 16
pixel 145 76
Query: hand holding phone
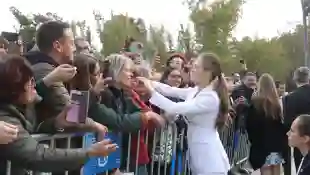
pixel 79 107
pixel 102 83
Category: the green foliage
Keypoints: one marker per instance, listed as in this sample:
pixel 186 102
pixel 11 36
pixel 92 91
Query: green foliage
pixel 264 56
pixel 157 40
pixel 28 23
pixel 278 55
pixel 214 24
pixel 116 30
pixel 292 43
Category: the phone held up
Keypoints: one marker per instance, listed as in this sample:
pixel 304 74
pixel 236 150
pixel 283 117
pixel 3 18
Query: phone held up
pixel 79 106
pixel 11 37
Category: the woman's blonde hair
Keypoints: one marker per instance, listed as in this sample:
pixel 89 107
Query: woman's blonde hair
pixel 266 97
pixel 116 64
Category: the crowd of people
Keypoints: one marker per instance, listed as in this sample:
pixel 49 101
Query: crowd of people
pixel 127 96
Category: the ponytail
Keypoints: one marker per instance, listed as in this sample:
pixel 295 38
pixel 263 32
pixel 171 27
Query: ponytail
pixel 222 91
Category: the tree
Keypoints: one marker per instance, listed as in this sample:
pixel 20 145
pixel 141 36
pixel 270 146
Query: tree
pixel 170 41
pixel 157 40
pixel 186 42
pixel 264 55
pixel 29 23
pixel 116 30
pixel 214 23
pixel 292 42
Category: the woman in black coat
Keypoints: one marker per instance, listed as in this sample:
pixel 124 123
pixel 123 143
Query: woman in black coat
pixel 265 129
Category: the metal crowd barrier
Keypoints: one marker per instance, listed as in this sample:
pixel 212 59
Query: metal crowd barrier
pixel 167 150
pixel 235 141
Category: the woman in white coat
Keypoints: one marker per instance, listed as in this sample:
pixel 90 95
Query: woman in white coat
pixel 205 107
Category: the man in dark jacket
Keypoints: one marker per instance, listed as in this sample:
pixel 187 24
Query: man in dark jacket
pixel 242 94
pixel 247 87
pixel 295 104
pixel 56 44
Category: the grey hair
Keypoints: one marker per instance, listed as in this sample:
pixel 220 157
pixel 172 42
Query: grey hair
pixel 116 64
pixel 143 71
pixel 302 75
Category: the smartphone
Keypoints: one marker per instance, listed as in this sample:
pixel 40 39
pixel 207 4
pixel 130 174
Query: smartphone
pixel 79 106
pixel 11 37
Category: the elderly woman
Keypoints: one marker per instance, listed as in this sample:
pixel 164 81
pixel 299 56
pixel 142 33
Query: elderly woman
pixel 124 100
pixel 107 112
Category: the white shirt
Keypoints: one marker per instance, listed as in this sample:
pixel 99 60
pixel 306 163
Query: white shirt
pixel 207 154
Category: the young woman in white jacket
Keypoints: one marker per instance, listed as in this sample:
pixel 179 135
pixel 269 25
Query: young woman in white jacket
pixel 205 107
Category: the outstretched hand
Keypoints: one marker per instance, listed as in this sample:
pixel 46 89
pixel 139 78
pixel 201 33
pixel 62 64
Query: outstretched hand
pixel 102 83
pixel 156 118
pixel 147 83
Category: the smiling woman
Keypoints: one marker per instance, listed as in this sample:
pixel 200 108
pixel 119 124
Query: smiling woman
pixel 16 80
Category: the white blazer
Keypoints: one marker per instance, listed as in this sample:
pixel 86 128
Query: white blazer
pixel 206 152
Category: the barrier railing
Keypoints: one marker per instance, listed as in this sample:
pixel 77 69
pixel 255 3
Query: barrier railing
pixel 235 142
pixel 166 148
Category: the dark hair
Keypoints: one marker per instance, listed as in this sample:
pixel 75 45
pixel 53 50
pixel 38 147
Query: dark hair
pixel 304 125
pixel 50 32
pixel 277 83
pixel 166 73
pixel 86 65
pixel 15 72
pixel 302 75
pixel 105 68
pixel 212 62
pixel 76 43
pixel 174 55
pixel 127 43
pixel 250 74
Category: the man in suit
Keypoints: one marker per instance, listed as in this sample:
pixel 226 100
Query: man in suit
pixel 295 104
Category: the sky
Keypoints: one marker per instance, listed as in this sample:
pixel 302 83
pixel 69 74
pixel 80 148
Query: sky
pixel 261 18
